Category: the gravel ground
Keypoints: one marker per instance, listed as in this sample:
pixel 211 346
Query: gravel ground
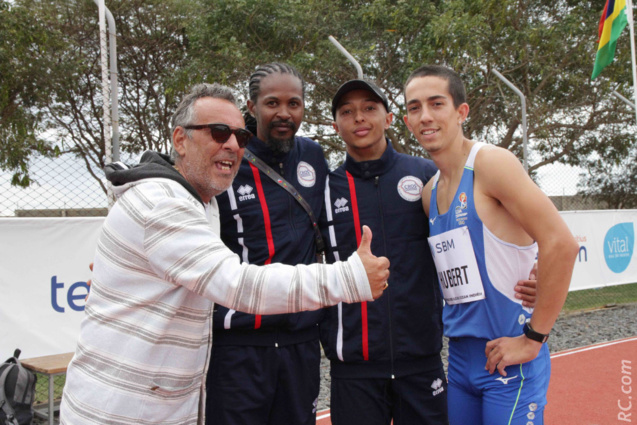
pixel 570 331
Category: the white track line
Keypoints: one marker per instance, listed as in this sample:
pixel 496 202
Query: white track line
pixel 327 415
pixel 592 347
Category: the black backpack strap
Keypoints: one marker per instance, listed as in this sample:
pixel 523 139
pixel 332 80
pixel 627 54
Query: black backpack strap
pixel 320 244
pixel 24 385
pixel 4 403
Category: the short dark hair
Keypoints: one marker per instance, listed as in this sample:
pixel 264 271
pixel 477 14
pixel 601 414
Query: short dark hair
pixel 185 113
pixel 456 86
pixel 263 71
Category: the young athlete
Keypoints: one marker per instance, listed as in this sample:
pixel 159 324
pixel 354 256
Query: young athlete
pixel 488 221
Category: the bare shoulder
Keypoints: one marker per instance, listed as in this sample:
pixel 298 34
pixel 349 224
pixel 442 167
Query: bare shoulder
pixel 498 158
pixel 500 177
pixel 497 169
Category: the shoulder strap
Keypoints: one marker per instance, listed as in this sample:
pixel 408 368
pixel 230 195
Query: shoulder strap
pixel 4 403
pixel 433 200
pixel 257 162
pixel 472 154
pixel 436 177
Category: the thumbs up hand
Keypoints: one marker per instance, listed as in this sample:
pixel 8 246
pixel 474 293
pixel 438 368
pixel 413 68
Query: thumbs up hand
pixel 377 268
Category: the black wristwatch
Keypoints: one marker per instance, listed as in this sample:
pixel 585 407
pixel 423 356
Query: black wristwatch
pixel 534 335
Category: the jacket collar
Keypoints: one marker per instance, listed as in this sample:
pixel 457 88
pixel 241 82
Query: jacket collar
pixel 373 168
pixel 151 165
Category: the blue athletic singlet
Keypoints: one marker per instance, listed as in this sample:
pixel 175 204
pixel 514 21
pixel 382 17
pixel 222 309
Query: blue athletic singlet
pixel 477 273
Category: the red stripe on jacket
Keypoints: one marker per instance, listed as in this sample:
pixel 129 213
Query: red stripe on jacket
pixel 268 226
pixel 357 227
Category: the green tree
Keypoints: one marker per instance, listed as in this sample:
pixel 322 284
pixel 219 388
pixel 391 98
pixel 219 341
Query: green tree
pixel 545 48
pixel 611 185
pixel 22 40
pixel 152 51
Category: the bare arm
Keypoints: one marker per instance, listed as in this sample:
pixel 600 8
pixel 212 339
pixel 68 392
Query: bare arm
pixel 507 182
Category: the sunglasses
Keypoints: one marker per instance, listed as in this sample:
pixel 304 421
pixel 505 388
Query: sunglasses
pixel 221 133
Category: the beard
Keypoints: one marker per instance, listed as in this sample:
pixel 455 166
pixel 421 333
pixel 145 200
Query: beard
pixel 197 174
pixel 280 145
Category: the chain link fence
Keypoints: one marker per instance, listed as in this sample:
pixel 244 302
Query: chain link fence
pixel 62 187
pixel 41 399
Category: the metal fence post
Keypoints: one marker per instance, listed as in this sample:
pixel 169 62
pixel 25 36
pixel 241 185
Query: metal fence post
pixel 523 100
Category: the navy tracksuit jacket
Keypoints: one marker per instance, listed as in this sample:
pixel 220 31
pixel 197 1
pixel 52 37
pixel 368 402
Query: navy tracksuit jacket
pixel 263 224
pixel 401 332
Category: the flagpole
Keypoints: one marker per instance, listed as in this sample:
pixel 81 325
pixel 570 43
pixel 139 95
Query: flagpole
pixel 629 16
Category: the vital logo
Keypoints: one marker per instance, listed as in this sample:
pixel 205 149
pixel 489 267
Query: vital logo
pixel 246 192
pixel 618 246
pixel 341 205
pixel 437 387
pixel 506 380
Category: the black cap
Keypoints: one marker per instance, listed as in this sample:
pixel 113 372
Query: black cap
pixel 358 85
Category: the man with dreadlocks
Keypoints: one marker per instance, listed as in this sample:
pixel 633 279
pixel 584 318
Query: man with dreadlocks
pixel 266 369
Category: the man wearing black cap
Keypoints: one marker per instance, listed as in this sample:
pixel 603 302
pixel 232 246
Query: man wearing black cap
pixel 385 356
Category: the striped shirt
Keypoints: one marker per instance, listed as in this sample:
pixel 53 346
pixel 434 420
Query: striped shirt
pixel 159 266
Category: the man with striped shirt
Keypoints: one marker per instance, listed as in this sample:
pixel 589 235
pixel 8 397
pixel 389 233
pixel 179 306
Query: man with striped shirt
pixel 160 264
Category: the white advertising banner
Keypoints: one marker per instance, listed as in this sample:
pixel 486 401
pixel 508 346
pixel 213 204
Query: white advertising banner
pixel 607 243
pixel 43 273
pixel 44 269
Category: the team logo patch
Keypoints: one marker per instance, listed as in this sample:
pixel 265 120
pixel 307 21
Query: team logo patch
pixel 340 205
pixel 463 200
pixel 246 192
pixel 506 380
pixel 437 387
pixel 410 188
pixel 305 174
pixel 461 214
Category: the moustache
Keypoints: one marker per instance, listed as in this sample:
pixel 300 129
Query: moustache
pixel 288 124
pixel 234 158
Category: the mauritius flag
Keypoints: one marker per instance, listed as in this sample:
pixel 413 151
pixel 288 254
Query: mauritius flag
pixel 610 27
